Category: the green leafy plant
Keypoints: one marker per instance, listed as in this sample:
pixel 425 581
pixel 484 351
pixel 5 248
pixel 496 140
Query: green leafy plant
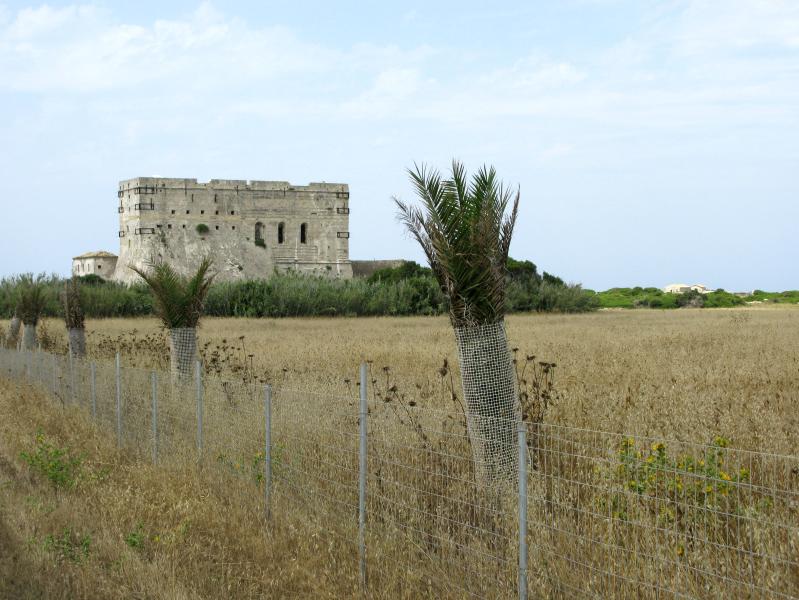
pixel 260 242
pixel 694 482
pixel 61 469
pixel 68 545
pixel 136 538
pixel 252 466
pixel 202 229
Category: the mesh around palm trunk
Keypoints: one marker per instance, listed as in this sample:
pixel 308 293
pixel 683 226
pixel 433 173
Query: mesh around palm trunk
pixel 183 350
pixel 13 332
pixel 28 337
pixel 489 387
pixel 77 342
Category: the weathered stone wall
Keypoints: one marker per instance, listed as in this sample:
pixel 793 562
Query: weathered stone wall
pixel 94 265
pixel 365 268
pixel 162 218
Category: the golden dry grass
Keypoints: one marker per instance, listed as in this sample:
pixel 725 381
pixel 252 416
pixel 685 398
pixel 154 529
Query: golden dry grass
pixel 204 535
pixel 604 523
pixel 687 374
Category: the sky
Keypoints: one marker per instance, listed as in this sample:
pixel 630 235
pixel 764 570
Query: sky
pixel 652 142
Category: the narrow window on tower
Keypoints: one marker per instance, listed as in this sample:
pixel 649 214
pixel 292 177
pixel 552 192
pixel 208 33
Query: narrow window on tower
pixel 303 233
pixel 281 227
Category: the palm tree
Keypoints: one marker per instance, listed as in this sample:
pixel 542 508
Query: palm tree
pixel 179 304
pixel 31 301
pixel 73 316
pixel 465 229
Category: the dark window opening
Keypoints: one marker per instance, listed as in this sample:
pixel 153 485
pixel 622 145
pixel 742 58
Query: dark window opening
pixel 280 230
pixel 217 226
pixel 184 227
pixel 188 212
pixel 99 266
pixel 216 212
pixel 303 233
pixel 173 212
pixel 169 226
pixel 234 227
pixel 202 212
pixel 259 234
pixel 232 212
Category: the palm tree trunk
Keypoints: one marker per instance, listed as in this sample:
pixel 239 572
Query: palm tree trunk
pixel 77 342
pixel 489 387
pixel 13 332
pixel 182 351
pixel 28 337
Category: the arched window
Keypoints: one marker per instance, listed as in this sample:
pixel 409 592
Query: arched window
pixel 303 233
pixel 281 227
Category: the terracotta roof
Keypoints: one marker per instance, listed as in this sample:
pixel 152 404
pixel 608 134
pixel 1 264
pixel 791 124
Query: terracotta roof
pixel 98 254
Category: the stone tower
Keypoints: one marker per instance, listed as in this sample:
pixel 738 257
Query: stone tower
pixel 249 228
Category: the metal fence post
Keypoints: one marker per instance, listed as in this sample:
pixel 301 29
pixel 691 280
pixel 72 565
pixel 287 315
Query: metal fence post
pixel 522 431
pixel 362 413
pixel 268 451
pixel 72 376
pixel 55 377
pixel 93 376
pixel 199 386
pixel 119 401
pixel 154 380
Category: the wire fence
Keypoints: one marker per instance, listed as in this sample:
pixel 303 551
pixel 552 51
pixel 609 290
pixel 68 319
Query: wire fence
pixel 591 514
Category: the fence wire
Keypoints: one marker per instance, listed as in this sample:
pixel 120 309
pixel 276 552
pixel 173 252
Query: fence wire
pixel 608 515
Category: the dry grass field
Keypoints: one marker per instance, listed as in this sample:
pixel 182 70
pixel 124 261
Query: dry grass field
pixel 610 515
pixel 685 374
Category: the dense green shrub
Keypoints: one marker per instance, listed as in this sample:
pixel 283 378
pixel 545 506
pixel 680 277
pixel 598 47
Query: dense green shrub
pixel 202 229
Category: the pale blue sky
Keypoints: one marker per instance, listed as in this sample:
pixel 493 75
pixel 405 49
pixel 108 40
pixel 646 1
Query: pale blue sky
pixel 654 142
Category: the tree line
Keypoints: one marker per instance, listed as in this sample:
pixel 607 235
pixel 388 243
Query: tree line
pixel 403 291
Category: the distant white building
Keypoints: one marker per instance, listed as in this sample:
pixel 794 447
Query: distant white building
pixel 101 263
pixel 681 288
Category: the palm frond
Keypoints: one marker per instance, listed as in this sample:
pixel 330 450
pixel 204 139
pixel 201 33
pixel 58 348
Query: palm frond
pixel 178 300
pixel 465 230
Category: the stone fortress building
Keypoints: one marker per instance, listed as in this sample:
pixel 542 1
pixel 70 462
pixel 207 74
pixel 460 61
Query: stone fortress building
pixel 249 228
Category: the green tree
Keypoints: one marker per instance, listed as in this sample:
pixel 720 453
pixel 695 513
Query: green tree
pixel 465 228
pixel 178 302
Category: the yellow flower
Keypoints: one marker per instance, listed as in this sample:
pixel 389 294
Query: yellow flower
pixel 724 476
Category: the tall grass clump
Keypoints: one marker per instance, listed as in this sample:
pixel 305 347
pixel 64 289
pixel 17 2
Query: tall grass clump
pixel 74 318
pixel 178 302
pixel 465 228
